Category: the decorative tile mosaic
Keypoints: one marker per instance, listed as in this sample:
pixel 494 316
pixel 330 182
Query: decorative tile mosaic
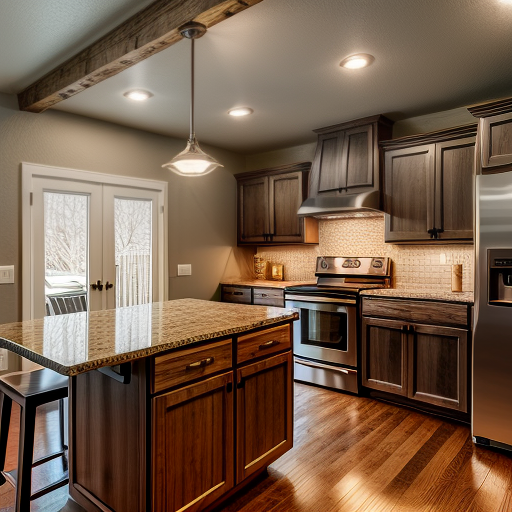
pixel 415 267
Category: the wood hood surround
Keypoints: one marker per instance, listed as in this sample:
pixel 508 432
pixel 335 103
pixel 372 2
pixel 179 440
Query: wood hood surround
pixel 346 171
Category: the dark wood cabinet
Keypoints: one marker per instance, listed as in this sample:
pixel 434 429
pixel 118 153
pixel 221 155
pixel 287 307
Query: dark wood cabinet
pixel 193 445
pixel 494 140
pixel 264 413
pixel 384 355
pixel 259 296
pixel 268 201
pixel 347 157
pixel 406 356
pixel 428 186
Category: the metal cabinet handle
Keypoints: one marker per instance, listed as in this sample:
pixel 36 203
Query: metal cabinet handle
pixel 269 344
pixel 264 295
pixel 238 293
pixel 200 364
pixel 98 285
pixel 108 285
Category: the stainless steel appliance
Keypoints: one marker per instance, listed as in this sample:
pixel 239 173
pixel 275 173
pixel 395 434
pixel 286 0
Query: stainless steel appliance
pixel 326 336
pixel 492 341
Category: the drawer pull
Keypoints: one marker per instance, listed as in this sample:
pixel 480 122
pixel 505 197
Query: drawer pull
pixel 237 293
pixel 200 364
pixel 264 295
pixel 269 344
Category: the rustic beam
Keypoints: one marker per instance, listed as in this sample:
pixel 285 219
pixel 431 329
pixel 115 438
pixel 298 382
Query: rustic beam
pixel 148 32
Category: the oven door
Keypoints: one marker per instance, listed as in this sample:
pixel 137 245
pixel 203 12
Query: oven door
pixel 325 332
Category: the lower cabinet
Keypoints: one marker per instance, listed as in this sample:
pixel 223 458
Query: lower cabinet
pixel 259 296
pixel 210 435
pixel 425 363
pixel 193 445
pixel 264 413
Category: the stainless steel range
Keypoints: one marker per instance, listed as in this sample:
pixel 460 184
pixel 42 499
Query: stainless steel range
pixel 325 339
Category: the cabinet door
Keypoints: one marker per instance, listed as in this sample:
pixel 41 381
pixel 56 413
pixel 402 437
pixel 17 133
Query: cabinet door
pixel 193 445
pixel 326 170
pixel 454 189
pixel 285 198
pixel 384 355
pixel 357 158
pixel 264 413
pixel 438 366
pixel 409 193
pixel 253 221
pixel 496 141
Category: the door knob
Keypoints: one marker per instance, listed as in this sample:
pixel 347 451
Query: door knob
pixel 98 285
pixel 108 285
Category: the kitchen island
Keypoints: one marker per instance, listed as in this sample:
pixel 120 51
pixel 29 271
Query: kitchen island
pixel 174 405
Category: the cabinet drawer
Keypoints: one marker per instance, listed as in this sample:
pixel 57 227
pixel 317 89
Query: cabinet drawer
pixel 236 294
pixel 441 313
pixel 180 367
pixel 268 297
pixel 262 343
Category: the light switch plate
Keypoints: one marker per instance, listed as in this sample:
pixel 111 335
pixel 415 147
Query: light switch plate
pixel 7 274
pixel 185 270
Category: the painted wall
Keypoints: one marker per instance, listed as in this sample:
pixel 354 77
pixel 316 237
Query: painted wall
pixel 202 211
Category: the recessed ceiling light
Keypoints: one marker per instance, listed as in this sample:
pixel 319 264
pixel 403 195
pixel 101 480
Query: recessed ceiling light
pixel 138 95
pixel 240 111
pixel 357 61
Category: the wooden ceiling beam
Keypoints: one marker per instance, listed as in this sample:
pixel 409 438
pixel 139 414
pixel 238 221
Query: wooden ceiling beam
pixel 148 32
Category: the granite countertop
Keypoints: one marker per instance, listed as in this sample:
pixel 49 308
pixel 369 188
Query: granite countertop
pixel 265 283
pixel 79 342
pixel 460 297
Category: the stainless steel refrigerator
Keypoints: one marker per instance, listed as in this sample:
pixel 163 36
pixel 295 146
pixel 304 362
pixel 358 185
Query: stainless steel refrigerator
pixel 492 342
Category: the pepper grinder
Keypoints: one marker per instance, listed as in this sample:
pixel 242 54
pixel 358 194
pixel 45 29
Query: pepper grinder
pixel 457 278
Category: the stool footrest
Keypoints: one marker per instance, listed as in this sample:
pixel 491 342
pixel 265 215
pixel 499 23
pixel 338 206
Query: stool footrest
pixel 47 458
pixel 12 477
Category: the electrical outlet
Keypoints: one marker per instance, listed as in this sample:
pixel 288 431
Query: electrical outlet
pixel 185 270
pixel 7 274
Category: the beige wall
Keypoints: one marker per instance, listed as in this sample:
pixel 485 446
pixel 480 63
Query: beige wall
pixel 202 212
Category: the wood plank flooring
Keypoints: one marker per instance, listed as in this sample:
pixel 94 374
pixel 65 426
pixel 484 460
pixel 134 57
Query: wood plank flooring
pixel 351 454
pixel 358 455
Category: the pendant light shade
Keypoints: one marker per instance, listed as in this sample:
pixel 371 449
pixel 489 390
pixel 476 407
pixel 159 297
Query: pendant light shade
pixel 192 161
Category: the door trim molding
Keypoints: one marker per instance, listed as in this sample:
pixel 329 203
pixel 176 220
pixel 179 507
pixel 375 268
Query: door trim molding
pixel 29 171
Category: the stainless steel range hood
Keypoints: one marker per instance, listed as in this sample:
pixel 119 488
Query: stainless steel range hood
pixel 364 204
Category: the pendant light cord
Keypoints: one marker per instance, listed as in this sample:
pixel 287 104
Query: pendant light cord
pixel 192 130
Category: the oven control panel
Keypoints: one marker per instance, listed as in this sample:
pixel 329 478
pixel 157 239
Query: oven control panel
pixel 361 266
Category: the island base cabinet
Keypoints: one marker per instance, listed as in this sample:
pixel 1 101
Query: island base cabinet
pixel 193 445
pixel 264 413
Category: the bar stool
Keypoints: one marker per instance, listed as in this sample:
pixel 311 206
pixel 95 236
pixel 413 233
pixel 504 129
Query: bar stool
pixel 29 390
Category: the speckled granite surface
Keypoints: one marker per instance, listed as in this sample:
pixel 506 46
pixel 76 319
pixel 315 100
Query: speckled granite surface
pixel 79 342
pixel 462 297
pixel 261 283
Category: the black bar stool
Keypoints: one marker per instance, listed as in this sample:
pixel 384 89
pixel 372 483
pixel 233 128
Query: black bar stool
pixel 29 390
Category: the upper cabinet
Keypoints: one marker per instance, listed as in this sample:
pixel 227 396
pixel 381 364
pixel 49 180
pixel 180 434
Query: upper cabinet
pixel 494 140
pixel 347 157
pixel 428 186
pixel 268 201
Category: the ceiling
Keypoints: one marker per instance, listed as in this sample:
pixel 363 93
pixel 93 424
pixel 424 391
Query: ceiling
pixel 279 57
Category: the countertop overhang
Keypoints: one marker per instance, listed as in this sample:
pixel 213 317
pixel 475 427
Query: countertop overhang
pixel 79 342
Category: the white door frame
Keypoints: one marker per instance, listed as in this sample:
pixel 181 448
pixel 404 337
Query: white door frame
pixel 30 171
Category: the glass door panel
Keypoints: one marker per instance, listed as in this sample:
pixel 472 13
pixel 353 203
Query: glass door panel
pixel 133 251
pixel 66 248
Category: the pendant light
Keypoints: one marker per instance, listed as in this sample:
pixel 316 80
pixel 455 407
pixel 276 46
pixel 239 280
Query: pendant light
pixel 192 161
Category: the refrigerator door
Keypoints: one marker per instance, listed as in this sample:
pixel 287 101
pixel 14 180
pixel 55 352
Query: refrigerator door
pixel 492 342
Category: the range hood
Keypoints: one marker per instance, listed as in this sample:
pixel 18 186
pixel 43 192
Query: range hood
pixel 364 204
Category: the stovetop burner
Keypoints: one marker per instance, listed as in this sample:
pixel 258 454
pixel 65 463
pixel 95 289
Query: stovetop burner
pixel 342 277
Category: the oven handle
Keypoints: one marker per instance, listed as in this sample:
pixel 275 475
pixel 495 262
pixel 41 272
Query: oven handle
pixel 314 298
pixel 347 371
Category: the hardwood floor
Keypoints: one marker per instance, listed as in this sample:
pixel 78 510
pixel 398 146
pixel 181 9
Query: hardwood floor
pixel 358 455
pixel 350 455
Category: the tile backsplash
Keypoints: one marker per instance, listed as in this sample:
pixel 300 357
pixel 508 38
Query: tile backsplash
pixel 426 267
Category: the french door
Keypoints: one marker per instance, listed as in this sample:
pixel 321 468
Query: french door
pixel 93 241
